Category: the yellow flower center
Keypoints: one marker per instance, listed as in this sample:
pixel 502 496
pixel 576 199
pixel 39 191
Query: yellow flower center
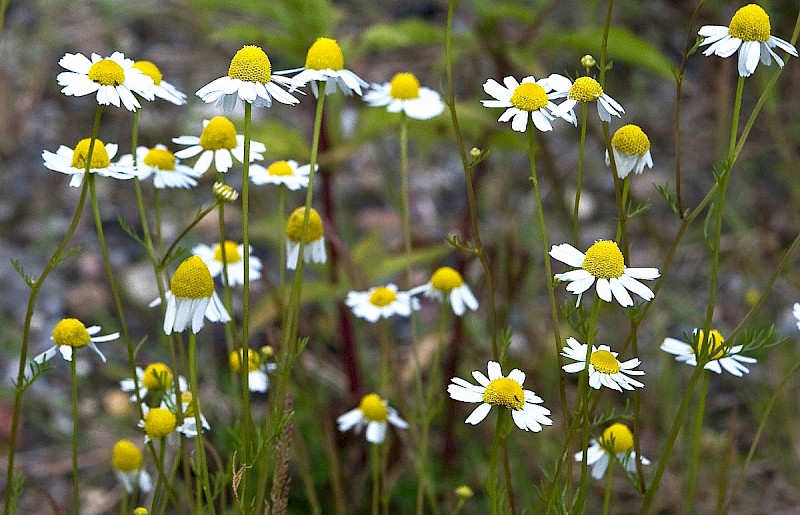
pixel 585 89
pixel 281 168
pixel 713 346
pixel 604 362
pixel 372 407
pixel 218 134
pixel 604 260
pixel 160 158
pixel 157 376
pixel 99 155
pixel 253 360
pixel 446 279
pixel 149 69
pixel 404 86
pixel 141 511
pixel 231 252
pixel 126 457
pixel 250 64
pixel 325 54
pixel 294 227
pixel 107 73
pixel 186 400
pixel 504 392
pixel 382 296
pixel 529 96
pixel 159 422
pixel 71 332
pixel 620 435
pixel 192 280
pixel 631 139
pixel 750 23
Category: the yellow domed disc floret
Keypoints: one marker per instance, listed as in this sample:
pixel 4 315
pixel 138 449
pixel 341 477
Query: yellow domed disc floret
pixel 750 23
pixel 281 168
pixel 382 296
pixel 294 226
pixel 404 86
pixel 149 69
pixel 630 139
pixel 231 252
pixel 160 158
pixel 99 155
pixel 714 346
pixel 253 360
pixel 325 54
pixel 621 437
pixel 218 134
pixel 585 89
pixel 504 392
pixel 604 260
pixel 159 422
pixel 157 376
pixel 107 73
pixel 529 96
pixel 373 408
pixel 604 362
pixel 126 457
pixel 446 279
pixel 192 280
pixel 71 332
pixel 250 64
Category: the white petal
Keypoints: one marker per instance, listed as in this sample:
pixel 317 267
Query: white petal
pixel 478 414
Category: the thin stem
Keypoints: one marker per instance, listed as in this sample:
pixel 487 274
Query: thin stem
pixel 406 196
pixel 385 341
pixel 247 416
pixel 195 407
pixel 612 462
pixel 509 477
pixel 497 444
pixel 282 218
pixel 227 293
pixel 376 477
pixel 585 393
pixel 575 209
pixel 696 437
pixel 167 256
pixel 76 489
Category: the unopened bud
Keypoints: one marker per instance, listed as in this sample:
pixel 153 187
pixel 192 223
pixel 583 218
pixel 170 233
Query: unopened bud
pixel 588 61
pixel 225 193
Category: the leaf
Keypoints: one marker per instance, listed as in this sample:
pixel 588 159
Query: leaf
pixel 29 280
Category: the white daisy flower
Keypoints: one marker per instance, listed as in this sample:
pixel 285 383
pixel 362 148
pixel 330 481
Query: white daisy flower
pixel 166 169
pixel 714 348
pixel 749 34
pixel 191 298
pixel 127 461
pixel 447 283
pixel 504 392
pixel 604 263
pixel 161 88
pixel 631 148
pixel 156 377
pixel 234 254
pixel 218 143
pixel 157 422
pixel 70 334
pixel 376 414
pixel 404 94
pixel 189 425
pixel 287 173
pixel 114 78
pixel 314 249
pixel 584 90
pixel 73 162
pixel 604 367
pixel 257 368
pixel 616 443
pixel 796 312
pixel 325 63
pixel 381 302
pixel 531 99
pixel 250 79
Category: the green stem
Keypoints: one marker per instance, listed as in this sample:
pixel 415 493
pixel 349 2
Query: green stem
pixel 282 219
pixel 406 196
pixel 612 462
pixel 76 489
pixel 195 406
pixel 227 294
pixel 167 256
pixel 585 393
pixel 575 227
pixel 375 459
pixel 247 416
pixel 385 341
pixel 696 437
pixel 494 457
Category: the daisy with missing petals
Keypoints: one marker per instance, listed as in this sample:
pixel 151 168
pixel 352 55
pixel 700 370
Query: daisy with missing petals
pixel 250 79
pixel 161 88
pixel 530 100
pixel 189 426
pixel 505 392
pixel 314 249
pixel 376 414
pixel 631 148
pixel 257 368
pixel 218 143
pixel 287 173
pixel 749 33
pixel 713 348
pixel 447 283
pixel 166 169
pixel 155 378
pixel 325 63
pixel 381 302
pixel 70 334
pixel 127 460
pixel 191 298
pixel 73 162
pixel 604 367
pixel 584 90
pixel 157 422
pixel 114 78
pixel 234 252
pixel 615 444
pixel 604 263
pixel 404 94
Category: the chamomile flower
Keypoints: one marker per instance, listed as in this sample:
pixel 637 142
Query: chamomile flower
pixel 234 255
pixel 374 413
pixel 604 367
pixel 749 34
pixel 155 378
pixel 191 298
pixel 114 78
pixel 73 161
pixel 257 368
pixel 325 63
pixel 631 148
pixel 381 302
pixel 616 443
pixel 161 88
pixel 504 392
pixel 166 169
pixel 713 348
pixel 585 90
pixel 70 334
pixel 604 263
pixel 404 94
pixel 447 283
pixel 250 79
pixel 531 99
pixel 189 425
pixel 796 312
pixel 127 461
pixel 314 249
pixel 157 422
pixel 287 173
pixel 218 143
